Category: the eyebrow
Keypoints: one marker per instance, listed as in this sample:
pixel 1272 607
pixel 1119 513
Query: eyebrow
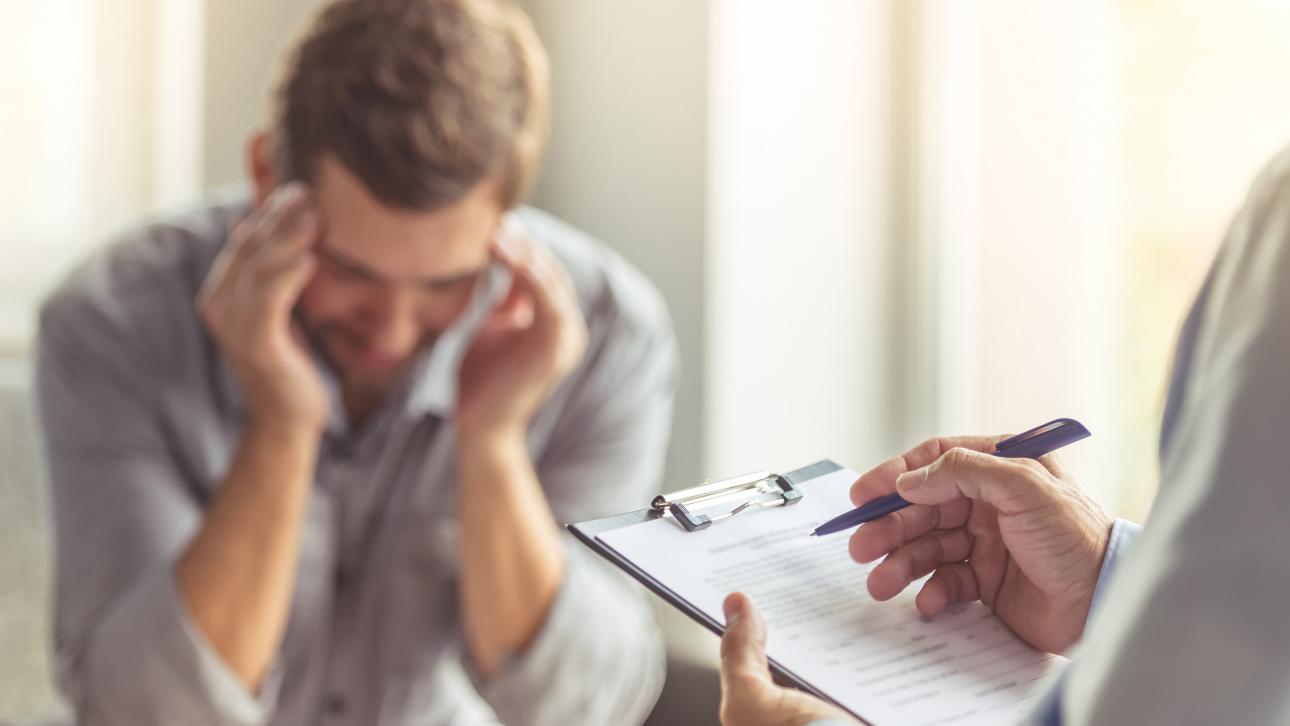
pixel 340 258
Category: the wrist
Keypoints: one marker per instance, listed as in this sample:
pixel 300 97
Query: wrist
pixel 490 440
pixel 286 431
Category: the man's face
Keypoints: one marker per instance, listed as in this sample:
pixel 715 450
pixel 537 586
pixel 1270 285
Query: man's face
pixel 389 280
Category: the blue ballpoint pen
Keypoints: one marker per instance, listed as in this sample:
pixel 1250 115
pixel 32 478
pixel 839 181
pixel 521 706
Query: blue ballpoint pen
pixel 1030 444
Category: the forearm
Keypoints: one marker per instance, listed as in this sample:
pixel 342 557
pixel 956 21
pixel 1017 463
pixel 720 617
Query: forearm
pixel 512 563
pixel 237 574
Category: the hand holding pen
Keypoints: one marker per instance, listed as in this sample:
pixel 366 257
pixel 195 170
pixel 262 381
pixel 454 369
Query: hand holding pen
pixel 1017 534
pixel 1031 444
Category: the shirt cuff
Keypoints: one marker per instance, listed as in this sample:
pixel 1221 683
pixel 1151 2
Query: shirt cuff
pixel 1049 710
pixel 597 658
pixel 150 664
pixel 1123 533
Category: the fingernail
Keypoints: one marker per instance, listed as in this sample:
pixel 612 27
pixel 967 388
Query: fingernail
pixel 513 226
pixel 507 245
pixel 911 480
pixel 289 193
pixel 732 607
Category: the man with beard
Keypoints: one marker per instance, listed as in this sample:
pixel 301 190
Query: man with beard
pixel 309 449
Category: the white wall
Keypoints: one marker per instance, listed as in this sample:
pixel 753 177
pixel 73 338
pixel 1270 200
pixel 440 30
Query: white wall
pixel 800 324
pixel 738 152
pixel 244 45
pixel 1020 199
pixel 100 126
pixel 627 161
pixel 1050 282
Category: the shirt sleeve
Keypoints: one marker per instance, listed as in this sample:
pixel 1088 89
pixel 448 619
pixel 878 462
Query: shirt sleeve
pixel 1193 628
pixel 1123 532
pixel 126 650
pixel 598 658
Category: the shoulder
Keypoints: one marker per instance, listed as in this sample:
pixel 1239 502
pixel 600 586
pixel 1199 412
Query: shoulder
pixel 611 291
pixel 1274 177
pixel 1269 195
pixel 138 289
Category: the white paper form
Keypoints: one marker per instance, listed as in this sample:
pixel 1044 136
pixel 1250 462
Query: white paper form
pixel 883 661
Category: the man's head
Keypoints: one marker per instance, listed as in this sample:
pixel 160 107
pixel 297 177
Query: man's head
pixel 417 123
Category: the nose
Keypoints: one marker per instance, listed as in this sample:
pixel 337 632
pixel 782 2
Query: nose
pixel 391 321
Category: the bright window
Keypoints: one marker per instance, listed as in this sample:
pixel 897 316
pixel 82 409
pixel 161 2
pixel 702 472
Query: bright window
pixel 1107 144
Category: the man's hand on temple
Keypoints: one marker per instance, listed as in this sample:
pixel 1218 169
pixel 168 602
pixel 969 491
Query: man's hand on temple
pixel 237 573
pixel 247 301
pixel 1017 534
pixel 530 343
pixel 512 562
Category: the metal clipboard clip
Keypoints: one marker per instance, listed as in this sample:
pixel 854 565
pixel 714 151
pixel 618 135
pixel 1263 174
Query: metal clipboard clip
pixel 767 490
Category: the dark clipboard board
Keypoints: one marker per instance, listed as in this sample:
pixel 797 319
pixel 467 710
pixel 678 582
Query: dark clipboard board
pixel 587 533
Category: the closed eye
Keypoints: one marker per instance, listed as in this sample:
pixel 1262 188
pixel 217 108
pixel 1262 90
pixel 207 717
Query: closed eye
pixel 345 269
pixel 449 284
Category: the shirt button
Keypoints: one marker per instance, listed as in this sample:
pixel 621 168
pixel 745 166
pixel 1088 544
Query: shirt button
pixel 341 580
pixel 335 704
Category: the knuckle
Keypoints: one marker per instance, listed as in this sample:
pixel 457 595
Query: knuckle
pixel 1021 483
pixel 209 311
pixel 242 231
pixel 952 586
pixel 899 562
pixel 1033 473
pixel 928 448
pixel 244 239
pixel 742 680
pixel 733 645
pixel 899 526
pixel 937 548
pixel 1032 466
pixel 732 707
pixel 954 459
pixel 1050 459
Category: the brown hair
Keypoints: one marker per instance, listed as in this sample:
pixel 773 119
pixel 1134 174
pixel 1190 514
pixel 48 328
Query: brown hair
pixel 420 99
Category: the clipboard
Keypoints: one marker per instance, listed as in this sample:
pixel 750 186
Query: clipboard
pixel 761 489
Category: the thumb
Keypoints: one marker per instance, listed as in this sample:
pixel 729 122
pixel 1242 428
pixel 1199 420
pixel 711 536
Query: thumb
pixel 975 475
pixel 743 646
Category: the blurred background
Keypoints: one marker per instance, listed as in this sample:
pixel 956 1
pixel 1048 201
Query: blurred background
pixel 874 220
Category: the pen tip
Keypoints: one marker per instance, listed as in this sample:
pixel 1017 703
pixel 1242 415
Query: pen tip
pixel 812 533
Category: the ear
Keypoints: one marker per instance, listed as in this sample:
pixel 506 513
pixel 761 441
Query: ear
pixel 260 166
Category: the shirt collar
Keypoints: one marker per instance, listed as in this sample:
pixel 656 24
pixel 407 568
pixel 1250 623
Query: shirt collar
pixel 432 383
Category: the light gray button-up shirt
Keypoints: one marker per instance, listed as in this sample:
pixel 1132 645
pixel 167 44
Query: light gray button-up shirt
pixel 141 419
pixel 1193 628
